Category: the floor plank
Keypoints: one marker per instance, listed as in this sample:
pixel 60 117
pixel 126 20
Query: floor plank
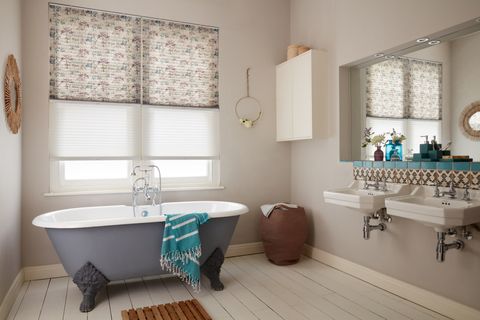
pixel 118 299
pixel 32 303
pixel 211 305
pixel 158 292
pixel 18 301
pixel 269 296
pixel 54 305
pixel 102 308
pixel 176 289
pixel 255 305
pixel 348 290
pixel 138 293
pixel 230 303
pixel 72 303
pixel 316 306
pixel 343 281
pixel 254 289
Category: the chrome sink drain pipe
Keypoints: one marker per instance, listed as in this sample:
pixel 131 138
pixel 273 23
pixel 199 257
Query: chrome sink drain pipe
pixel 367 227
pixel 443 247
pixel 382 216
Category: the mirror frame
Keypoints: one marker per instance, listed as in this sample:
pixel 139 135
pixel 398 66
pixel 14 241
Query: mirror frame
pixel 345 103
pixel 464 121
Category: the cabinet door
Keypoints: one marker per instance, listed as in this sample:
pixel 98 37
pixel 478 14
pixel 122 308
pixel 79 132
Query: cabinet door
pixel 284 102
pixel 302 97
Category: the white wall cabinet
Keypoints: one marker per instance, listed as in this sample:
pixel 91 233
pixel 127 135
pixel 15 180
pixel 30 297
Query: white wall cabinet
pixel 301 95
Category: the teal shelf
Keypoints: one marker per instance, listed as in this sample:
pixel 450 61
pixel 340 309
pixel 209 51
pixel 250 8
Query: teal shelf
pixel 415 165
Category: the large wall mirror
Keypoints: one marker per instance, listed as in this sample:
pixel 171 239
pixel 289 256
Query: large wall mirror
pixel 427 87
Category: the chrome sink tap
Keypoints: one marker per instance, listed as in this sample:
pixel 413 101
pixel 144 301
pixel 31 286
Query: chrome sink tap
pixel 367 185
pixel 384 185
pixel 436 191
pixel 466 194
pixel 451 193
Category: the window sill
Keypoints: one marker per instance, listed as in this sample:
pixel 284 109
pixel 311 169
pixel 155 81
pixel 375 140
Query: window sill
pixel 104 192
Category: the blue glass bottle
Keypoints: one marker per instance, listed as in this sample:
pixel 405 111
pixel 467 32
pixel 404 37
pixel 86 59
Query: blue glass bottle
pixel 390 147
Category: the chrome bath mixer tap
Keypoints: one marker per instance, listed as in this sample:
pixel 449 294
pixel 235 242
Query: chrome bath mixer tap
pixel 151 192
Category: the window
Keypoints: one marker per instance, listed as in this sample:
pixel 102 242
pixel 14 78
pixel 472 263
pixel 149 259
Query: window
pixel 404 94
pixel 126 90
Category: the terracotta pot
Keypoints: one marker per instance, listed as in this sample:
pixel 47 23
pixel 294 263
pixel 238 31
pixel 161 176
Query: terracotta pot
pixel 292 51
pixel 303 49
pixel 284 234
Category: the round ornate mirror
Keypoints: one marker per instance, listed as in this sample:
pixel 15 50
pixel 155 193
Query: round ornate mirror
pixel 470 121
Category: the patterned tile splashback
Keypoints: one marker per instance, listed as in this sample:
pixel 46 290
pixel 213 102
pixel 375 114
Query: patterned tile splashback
pixel 419 173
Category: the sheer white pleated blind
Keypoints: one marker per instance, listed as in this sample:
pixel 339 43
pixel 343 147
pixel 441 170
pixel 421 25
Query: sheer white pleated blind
pixel 185 133
pixel 412 128
pixel 83 130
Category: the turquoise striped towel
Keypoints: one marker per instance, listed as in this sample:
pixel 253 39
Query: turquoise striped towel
pixel 181 247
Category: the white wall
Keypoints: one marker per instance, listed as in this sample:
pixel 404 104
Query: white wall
pixel 10 155
pixel 254 168
pixel 465 90
pixel 350 30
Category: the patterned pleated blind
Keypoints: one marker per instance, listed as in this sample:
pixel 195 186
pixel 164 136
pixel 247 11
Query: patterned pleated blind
pixel 180 64
pixel 99 56
pixel 405 89
pixel 94 56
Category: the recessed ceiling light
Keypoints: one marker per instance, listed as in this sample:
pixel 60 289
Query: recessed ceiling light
pixel 422 40
pixel 434 42
pixel 379 55
pixel 390 57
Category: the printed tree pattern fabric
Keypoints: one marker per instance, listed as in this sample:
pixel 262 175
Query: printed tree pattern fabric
pixel 386 89
pixel 425 93
pixel 94 56
pixel 180 64
pixel 404 88
pixel 99 56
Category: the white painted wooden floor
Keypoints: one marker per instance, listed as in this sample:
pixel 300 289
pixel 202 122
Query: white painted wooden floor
pixel 254 289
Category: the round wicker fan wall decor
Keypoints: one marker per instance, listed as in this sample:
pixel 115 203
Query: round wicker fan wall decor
pixel 469 113
pixel 13 109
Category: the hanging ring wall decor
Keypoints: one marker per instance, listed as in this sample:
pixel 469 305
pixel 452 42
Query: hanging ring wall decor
pixel 13 110
pixel 248 123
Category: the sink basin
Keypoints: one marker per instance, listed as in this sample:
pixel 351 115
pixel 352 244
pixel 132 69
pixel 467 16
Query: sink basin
pixel 439 213
pixel 366 201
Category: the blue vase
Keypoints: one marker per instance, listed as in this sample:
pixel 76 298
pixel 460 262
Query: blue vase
pixel 390 147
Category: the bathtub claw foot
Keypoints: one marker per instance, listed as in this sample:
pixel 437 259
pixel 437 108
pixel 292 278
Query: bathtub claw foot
pixel 212 267
pixel 88 303
pixel 90 281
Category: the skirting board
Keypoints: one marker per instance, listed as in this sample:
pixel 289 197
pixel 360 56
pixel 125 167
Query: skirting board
pixel 430 300
pixel 244 249
pixel 11 295
pixel 44 272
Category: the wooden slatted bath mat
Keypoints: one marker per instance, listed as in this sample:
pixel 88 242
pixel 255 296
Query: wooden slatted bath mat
pixel 182 310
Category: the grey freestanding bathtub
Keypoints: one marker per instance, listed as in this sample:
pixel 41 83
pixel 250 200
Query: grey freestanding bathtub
pixel 101 244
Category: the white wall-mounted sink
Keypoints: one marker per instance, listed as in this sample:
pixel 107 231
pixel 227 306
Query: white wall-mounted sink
pixel 440 213
pixel 366 201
